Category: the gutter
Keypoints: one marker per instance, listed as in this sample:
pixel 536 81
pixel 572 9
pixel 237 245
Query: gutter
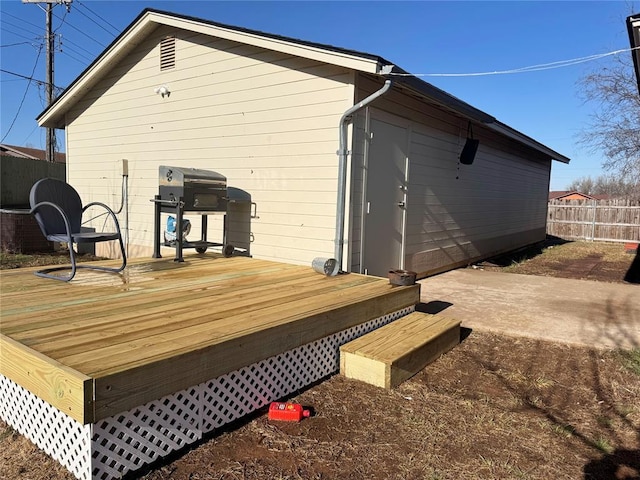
pixel 633 29
pixel 343 152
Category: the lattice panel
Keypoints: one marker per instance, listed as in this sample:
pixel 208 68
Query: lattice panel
pixel 135 438
pixel 233 395
pixel 126 442
pixel 60 436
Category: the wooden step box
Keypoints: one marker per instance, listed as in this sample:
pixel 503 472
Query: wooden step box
pixel 391 354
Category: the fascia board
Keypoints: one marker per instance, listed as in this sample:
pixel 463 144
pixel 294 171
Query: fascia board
pixel 54 116
pixel 525 140
pixel 462 108
pixel 279 45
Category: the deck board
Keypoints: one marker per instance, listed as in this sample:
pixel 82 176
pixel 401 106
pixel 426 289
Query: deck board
pixel 163 326
pixel 148 318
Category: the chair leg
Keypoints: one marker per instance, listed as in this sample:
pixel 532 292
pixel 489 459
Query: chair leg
pixel 46 272
pixel 109 269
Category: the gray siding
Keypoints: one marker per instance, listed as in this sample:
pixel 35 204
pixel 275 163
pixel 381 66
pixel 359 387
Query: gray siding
pixel 358 174
pixel 461 213
pixel 456 213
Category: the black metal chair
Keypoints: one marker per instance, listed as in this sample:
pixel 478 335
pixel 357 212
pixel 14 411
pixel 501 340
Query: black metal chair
pixel 58 210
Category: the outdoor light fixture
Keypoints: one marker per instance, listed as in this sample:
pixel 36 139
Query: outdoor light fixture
pixel 470 148
pixel 163 90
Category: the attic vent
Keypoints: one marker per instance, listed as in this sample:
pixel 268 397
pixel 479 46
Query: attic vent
pixel 168 53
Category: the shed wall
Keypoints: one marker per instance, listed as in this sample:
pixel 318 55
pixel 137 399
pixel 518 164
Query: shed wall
pixel 268 121
pixel 457 213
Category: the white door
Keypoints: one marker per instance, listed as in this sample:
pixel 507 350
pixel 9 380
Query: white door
pixel 384 206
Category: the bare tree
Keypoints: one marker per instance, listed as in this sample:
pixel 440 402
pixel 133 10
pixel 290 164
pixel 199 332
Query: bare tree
pixel 612 185
pixel 582 185
pixel 614 127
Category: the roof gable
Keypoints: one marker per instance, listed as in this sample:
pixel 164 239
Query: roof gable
pixel 575 195
pixel 150 19
pixel 28 153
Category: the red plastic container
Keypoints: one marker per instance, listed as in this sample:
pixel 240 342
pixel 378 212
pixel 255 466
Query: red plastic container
pixel 287 412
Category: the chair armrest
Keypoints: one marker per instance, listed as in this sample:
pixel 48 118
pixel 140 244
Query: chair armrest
pixel 67 225
pixel 110 212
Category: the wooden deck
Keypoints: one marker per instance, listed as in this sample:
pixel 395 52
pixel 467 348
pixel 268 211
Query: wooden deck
pixel 104 343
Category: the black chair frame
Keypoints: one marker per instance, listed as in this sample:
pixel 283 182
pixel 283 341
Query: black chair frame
pixel 70 236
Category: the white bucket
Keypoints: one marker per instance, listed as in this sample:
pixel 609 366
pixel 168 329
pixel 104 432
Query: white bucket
pixel 326 266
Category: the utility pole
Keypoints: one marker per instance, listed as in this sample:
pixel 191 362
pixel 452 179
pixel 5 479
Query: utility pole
pixel 51 45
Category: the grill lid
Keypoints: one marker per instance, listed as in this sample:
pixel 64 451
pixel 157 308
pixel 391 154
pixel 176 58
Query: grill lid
pixel 179 176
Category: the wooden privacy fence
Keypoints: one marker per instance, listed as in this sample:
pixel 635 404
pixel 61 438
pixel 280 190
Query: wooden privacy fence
pixel 594 220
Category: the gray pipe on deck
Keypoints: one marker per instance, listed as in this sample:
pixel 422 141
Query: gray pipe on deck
pixel 343 151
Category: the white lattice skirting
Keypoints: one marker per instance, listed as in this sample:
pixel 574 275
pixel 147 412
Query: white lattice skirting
pixel 126 442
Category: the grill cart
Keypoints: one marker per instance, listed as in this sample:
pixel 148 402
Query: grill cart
pixel 189 191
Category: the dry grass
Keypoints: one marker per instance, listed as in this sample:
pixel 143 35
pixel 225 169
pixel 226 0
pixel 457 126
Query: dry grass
pixel 554 258
pixel 570 251
pixel 9 260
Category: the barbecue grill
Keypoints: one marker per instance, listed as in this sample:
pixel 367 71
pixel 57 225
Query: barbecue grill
pixel 190 191
pixel 199 190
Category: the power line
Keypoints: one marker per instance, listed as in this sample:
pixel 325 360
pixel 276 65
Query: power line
pixel 101 18
pixel 24 96
pixel 22 76
pixel 55 30
pixel 22 29
pixel 79 60
pixel 15 44
pixel 82 58
pixel 50 43
pixel 21 19
pixel 32 39
pixel 532 68
pixel 65 41
pixel 92 20
pixel 24 142
pixel 81 32
pixel 64 48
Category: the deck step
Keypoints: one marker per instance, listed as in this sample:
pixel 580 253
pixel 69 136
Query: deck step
pixel 391 354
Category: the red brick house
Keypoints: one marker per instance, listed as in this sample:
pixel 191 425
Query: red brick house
pixel 574 195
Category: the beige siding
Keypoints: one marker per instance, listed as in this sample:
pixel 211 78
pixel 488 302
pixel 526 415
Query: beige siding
pixel 460 213
pixel 266 120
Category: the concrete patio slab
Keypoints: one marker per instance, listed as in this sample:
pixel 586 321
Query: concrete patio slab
pixel 589 313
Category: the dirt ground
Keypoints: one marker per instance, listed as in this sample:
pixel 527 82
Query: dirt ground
pixel 493 407
pixel 603 262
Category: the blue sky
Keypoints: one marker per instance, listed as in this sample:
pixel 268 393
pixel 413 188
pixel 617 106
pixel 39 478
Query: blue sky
pixel 421 37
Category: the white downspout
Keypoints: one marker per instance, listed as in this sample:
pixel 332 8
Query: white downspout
pixel 343 152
